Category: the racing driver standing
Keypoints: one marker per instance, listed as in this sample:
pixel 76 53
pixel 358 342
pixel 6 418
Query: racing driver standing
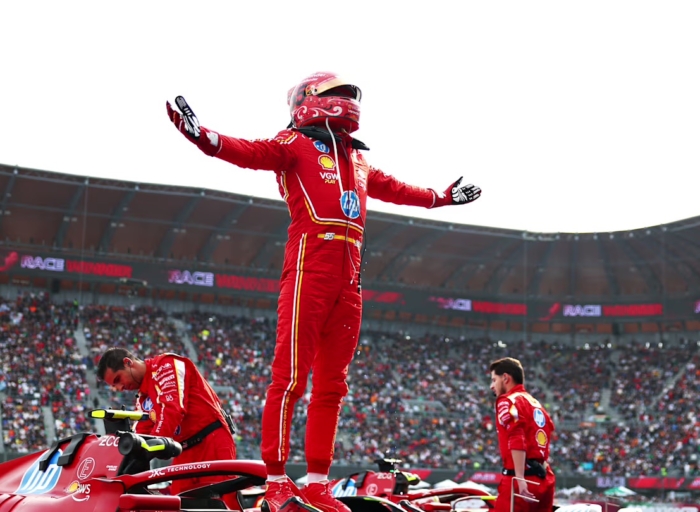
pixel 325 181
pixel 524 435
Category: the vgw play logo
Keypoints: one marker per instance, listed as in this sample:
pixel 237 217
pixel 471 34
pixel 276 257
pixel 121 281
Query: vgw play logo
pixel 40 482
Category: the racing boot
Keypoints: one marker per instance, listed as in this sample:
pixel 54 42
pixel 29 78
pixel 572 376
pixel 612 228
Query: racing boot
pixel 320 496
pixel 279 496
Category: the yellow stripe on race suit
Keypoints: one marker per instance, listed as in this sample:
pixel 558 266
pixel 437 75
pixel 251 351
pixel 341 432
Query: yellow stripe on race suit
pixel 290 138
pixel 293 346
pixel 286 192
pixel 336 222
pixel 333 236
pixel 284 187
pixel 327 222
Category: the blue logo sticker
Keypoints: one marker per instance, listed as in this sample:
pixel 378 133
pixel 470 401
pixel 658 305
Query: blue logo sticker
pixel 41 482
pixel 350 489
pixel 540 420
pixel 178 429
pixel 350 204
pixel 147 404
pixel 321 146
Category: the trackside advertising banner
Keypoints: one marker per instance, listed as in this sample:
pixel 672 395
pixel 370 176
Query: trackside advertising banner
pixel 556 311
pixel 400 299
pixel 160 276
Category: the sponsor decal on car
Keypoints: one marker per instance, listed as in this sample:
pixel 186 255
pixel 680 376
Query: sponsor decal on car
pixel 349 490
pixel 108 441
pixel 35 481
pixel 85 468
pixel 78 491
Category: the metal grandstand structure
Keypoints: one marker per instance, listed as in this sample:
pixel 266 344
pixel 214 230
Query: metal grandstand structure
pixel 51 214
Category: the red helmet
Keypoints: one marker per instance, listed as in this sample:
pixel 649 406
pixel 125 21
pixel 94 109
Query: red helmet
pixel 324 96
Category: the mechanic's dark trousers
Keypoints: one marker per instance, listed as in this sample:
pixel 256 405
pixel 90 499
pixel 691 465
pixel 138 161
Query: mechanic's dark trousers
pixel 543 492
pixel 218 445
pixel 318 327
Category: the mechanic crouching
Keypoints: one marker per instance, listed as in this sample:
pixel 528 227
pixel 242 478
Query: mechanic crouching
pixel 180 404
pixel 524 436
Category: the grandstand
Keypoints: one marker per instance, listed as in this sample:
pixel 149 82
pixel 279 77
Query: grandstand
pixel 605 324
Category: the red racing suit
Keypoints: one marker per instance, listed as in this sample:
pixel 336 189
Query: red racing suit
pixel 523 424
pixel 180 403
pixel 325 186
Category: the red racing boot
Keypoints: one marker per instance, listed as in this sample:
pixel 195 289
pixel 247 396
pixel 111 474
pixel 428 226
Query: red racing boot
pixel 320 496
pixel 280 497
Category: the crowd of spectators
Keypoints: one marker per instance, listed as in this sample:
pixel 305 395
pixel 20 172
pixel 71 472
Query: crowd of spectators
pixel 641 373
pixel 672 425
pixel 43 374
pixel 23 424
pixel 621 409
pixel 576 395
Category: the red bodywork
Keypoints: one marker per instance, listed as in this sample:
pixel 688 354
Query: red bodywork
pixel 87 472
pixel 90 480
pixel 387 490
pixel 391 489
pixel 91 472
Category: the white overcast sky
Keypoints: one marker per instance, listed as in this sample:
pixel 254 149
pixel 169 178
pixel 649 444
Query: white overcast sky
pixel 571 116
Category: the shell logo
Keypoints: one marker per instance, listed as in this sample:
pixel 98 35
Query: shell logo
pixel 326 162
pixel 152 416
pixel 541 438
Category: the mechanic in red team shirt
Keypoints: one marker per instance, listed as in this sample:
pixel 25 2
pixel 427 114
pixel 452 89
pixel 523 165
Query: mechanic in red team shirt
pixel 524 435
pixel 180 404
pixel 325 181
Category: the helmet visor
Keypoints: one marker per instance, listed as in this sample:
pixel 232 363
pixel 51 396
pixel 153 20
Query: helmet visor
pixel 344 91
